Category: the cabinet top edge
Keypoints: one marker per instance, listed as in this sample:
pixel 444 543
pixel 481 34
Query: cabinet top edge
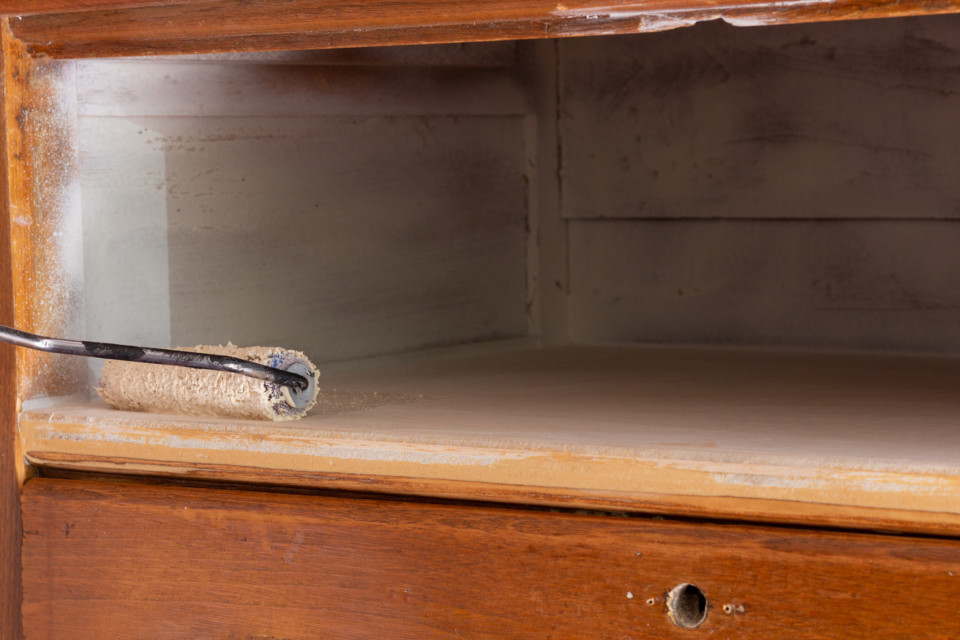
pixel 105 28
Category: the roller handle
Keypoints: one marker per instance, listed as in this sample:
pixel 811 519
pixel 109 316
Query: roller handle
pixel 154 356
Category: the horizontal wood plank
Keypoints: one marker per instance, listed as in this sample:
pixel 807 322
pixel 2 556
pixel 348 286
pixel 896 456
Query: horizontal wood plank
pixel 103 559
pixel 821 121
pixel 35 7
pixel 166 87
pixel 235 25
pixel 846 284
pixel 761 435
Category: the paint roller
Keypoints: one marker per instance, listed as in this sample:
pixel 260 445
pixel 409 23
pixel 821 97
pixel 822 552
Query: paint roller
pixel 265 383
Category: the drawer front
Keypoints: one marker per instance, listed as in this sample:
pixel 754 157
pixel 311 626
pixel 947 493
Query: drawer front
pixel 115 559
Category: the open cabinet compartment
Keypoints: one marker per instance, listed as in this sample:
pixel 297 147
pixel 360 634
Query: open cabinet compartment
pixel 531 224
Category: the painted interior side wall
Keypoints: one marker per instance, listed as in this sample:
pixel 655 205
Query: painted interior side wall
pixel 788 185
pixel 783 186
pixel 346 206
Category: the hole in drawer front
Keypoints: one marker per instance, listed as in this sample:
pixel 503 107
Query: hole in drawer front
pixel 687 606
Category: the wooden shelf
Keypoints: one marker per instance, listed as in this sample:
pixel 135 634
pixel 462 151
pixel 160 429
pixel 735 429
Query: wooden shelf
pixel 867 441
pixel 63 28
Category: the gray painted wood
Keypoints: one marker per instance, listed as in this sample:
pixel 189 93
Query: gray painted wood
pixel 349 212
pixel 850 284
pixel 462 54
pixel 547 249
pixel 788 186
pixel 133 88
pixel 403 193
pixel 841 120
pixel 124 202
pixel 346 237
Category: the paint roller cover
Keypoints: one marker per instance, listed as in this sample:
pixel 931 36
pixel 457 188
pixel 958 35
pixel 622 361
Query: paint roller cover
pixel 137 386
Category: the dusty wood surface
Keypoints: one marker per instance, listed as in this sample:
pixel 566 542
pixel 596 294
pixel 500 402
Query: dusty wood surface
pixel 46 239
pixel 11 458
pixel 236 25
pixel 104 559
pixel 862 441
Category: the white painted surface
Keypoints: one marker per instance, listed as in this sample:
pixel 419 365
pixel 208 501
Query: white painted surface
pixel 463 54
pixel 840 120
pixel 126 266
pixel 785 186
pixel 345 237
pixel 347 211
pixel 147 88
pixel 547 248
pixel 402 190
pixel 893 284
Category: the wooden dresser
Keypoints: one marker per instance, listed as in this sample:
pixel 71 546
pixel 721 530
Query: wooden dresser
pixel 649 333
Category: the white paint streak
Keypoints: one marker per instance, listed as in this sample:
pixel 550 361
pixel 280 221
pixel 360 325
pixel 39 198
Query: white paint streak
pixel 862 481
pixel 673 19
pixel 292 446
pixel 784 482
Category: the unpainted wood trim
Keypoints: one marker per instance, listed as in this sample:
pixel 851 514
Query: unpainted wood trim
pixel 11 460
pixel 19 8
pixel 106 559
pixel 40 118
pixel 775 436
pixel 237 25
pixel 726 508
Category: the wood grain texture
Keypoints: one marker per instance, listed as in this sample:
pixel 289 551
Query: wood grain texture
pixel 103 559
pixel 11 457
pixel 758 435
pixel 34 7
pixel 237 25
pixel 826 121
pixel 39 119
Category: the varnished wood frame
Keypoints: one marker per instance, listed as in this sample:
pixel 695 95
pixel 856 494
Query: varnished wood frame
pixel 104 558
pixel 61 28
pixel 11 467
pixel 36 168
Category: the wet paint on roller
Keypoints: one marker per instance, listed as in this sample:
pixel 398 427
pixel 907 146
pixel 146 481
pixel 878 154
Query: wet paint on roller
pixel 135 386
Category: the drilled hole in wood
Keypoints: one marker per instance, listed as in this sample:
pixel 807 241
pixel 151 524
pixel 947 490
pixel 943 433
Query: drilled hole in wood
pixel 687 606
